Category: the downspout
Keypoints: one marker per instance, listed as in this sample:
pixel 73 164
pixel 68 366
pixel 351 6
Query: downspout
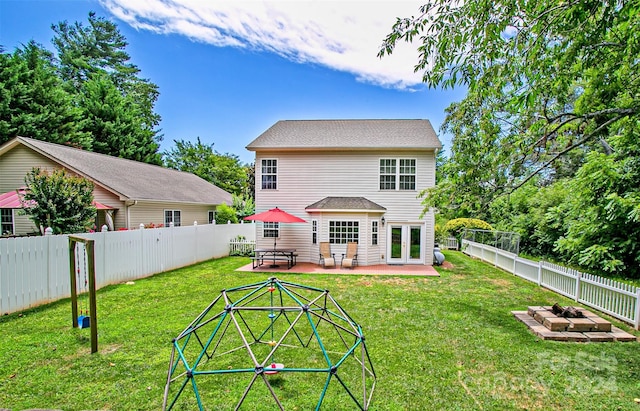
pixel 135 202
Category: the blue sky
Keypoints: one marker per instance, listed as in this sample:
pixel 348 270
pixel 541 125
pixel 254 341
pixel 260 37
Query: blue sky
pixel 228 70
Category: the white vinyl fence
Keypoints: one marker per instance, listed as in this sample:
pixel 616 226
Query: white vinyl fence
pixel 617 299
pixel 35 270
pixel 241 247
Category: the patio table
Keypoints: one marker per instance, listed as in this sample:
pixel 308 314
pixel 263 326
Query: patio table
pixel 272 255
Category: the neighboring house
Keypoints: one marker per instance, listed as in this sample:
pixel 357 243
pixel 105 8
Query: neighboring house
pixel 127 193
pixel 351 180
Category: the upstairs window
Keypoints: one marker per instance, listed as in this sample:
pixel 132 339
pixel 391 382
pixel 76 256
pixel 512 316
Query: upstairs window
pixel 397 174
pixel 387 174
pixel 269 173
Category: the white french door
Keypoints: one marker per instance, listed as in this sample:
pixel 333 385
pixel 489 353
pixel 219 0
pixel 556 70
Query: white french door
pixel 405 244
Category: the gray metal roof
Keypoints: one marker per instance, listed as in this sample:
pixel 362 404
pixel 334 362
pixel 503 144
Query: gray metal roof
pixel 345 203
pixel 351 134
pixel 132 180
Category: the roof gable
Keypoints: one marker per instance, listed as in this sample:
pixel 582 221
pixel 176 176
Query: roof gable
pixel 347 134
pixel 131 180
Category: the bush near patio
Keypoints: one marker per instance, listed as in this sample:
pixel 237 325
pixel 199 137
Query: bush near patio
pixel 445 343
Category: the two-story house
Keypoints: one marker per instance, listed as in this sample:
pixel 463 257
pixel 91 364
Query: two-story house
pixel 351 180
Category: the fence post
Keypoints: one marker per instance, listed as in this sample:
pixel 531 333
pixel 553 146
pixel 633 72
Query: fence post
pixel 195 248
pixel 578 278
pixel 539 273
pixel 637 319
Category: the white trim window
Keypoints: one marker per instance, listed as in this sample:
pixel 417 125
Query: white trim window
pixel 172 216
pixel 374 232
pixel 211 216
pixel 314 231
pixel 269 174
pixel 398 174
pixel 387 174
pixel 342 232
pixel 6 221
pixel 270 230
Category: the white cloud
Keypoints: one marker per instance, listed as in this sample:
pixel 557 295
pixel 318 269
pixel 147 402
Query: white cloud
pixel 342 35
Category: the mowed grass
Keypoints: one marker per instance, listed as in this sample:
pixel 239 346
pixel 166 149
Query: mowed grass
pixel 447 343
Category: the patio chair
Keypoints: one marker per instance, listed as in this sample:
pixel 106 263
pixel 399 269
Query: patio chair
pixel 350 259
pixel 327 258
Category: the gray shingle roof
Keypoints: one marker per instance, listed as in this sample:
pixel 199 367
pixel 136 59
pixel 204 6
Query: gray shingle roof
pixel 132 180
pixel 345 203
pixel 352 134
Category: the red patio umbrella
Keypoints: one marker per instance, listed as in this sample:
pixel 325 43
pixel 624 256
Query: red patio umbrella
pixel 275 215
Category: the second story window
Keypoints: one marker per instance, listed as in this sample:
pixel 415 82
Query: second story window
pixel 397 174
pixel 387 174
pixel 269 173
pixel 407 174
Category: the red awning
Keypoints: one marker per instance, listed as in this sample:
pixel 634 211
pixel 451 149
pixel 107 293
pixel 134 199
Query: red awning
pixel 101 206
pixel 10 199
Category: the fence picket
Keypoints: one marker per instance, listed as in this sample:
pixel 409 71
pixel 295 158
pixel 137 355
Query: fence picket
pixel 617 299
pixel 35 270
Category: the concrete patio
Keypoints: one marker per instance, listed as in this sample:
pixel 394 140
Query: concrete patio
pixel 380 269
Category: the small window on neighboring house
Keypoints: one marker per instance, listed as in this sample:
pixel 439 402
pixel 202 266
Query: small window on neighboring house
pixel 374 232
pixel 211 217
pixel 172 216
pixel 342 232
pixel 269 173
pixel 6 221
pixel 314 231
pixel 270 230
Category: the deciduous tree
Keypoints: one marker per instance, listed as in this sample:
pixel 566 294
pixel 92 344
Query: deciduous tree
pixel 59 200
pixel 223 170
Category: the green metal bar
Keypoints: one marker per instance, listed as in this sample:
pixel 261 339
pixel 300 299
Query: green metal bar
pixel 197 361
pixel 315 332
pixel 195 390
pixel 324 391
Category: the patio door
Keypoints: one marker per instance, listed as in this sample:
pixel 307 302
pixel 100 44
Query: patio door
pixel 405 245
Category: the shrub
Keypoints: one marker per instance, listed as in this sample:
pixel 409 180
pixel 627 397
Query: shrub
pixel 456 226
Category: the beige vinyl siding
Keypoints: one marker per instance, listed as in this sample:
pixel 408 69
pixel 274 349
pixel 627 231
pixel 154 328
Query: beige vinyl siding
pixel 14 166
pixel 304 178
pixel 16 163
pixel 146 212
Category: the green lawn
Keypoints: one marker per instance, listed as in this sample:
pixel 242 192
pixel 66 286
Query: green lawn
pixel 447 343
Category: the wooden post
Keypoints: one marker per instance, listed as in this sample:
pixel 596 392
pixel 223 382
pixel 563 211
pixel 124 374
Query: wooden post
pixel 93 312
pixel 91 273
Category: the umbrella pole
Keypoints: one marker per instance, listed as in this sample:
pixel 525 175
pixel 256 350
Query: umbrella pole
pixel 274 265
